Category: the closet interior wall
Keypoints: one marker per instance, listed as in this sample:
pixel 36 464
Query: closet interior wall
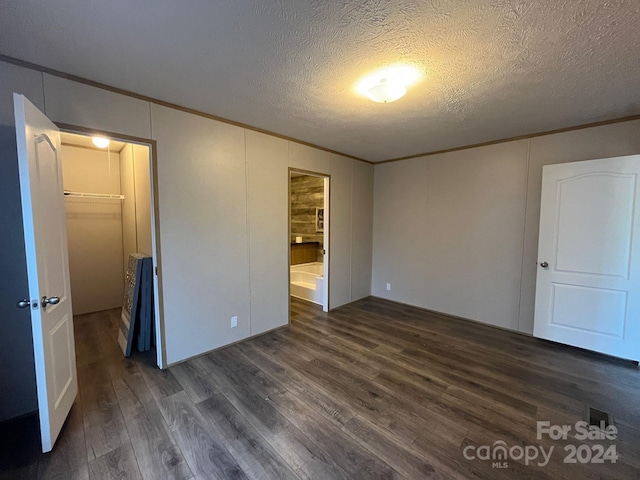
pixel 135 184
pixel 102 233
pixel 94 229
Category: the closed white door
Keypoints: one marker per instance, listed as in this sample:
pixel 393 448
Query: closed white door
pixel 45 239
pixel 588 282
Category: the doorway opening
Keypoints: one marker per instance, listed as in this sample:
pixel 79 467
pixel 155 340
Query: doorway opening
pixel 309 237
pixel 109 214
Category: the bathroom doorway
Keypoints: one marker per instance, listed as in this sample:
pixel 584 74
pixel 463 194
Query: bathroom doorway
pixel 309 236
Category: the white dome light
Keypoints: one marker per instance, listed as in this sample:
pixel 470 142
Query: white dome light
pixel 388 84
pixel 100 142
pixel 386 91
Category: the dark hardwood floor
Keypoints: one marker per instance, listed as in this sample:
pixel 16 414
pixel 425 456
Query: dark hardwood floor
pixel 371 390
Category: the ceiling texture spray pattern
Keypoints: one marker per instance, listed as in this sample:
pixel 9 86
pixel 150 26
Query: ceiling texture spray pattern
pixel 492 69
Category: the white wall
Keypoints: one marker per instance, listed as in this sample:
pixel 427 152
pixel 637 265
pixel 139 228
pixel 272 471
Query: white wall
pixel 82 105
pixel 361 230
pixel 94 229
pixel 267 189
pixel 203 227
pixel 142 179
pixel 222 212
pixel 135 185
pixel 127 187
pixel 458 232
pixel 227 187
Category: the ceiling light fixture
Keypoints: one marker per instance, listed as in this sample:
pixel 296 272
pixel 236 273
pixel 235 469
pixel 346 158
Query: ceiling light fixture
pixel 100 142
pixel 388 84
pixel 386 91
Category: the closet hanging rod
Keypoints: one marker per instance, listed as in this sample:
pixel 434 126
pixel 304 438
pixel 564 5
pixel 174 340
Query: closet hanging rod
pixel 93 195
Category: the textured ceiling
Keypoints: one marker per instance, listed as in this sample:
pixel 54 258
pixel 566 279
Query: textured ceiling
pixel 493 69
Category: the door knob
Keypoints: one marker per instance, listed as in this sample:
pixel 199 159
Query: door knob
pixel 24 303
pixel 49 301
pixel 544 264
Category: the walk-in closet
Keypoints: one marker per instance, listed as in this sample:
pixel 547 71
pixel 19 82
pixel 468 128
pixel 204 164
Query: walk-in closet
pixel 108 213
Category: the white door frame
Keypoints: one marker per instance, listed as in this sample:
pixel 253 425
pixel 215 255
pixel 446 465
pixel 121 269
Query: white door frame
pixel 326 234
pixel 155 227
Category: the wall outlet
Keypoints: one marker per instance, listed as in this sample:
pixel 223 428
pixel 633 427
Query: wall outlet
pixel 388 287
pixel 234 322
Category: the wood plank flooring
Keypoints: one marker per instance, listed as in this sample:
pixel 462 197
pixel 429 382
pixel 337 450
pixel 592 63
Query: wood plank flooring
pixel 373 389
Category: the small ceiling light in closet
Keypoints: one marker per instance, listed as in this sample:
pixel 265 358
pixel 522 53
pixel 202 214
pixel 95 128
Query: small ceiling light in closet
pixel 388 84
pixel 101 142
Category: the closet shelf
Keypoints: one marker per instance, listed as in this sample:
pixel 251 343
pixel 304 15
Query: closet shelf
pixel 106 196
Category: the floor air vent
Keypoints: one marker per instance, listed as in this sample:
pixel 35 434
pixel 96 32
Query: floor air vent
pixel 599 419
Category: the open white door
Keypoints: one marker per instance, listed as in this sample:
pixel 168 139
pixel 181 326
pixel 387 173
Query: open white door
pixel 588 282
pixel 45 238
